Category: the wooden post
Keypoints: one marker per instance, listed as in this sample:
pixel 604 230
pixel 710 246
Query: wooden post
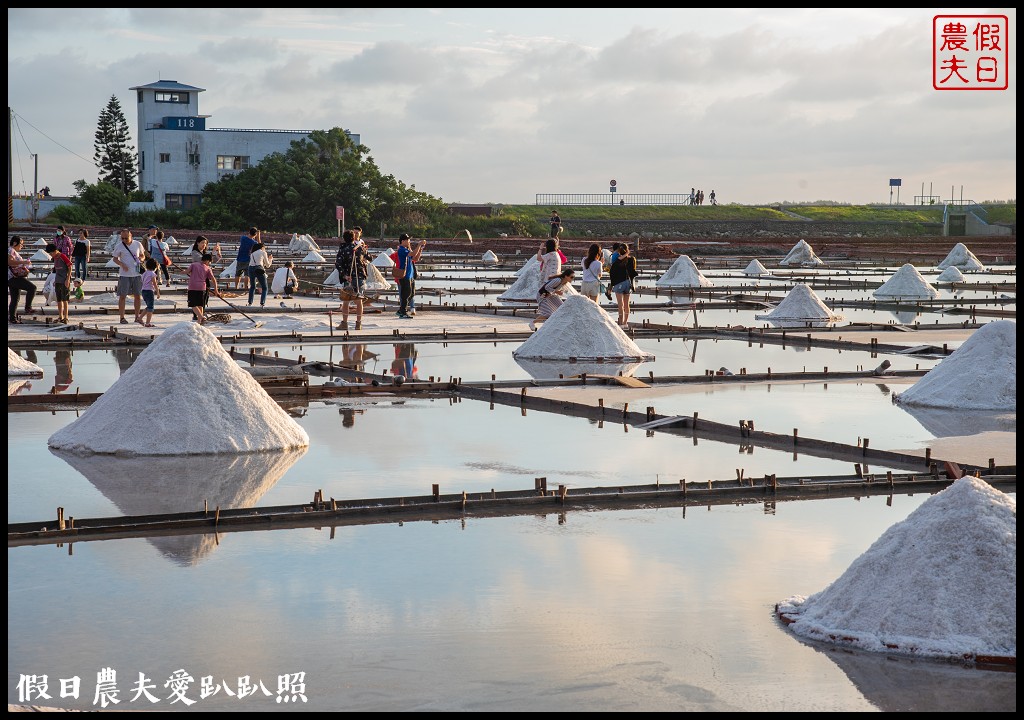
pixel 435 489
pixel 866 441
pixel 857 470
pixel 927 456
pixel 541 485
pixel 794 436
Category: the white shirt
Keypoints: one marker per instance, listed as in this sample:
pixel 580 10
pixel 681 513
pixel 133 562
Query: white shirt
pixel 131 256
pixel 550 264
pixel 593 272
pixel 259 258
pixel 281 277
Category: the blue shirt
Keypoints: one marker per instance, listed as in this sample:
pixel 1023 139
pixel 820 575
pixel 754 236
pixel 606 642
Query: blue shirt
pixel 405 261
pixel 245 248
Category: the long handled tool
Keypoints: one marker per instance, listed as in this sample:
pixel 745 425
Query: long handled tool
pixel 257 323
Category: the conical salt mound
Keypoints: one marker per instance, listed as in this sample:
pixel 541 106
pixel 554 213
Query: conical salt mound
pixel 229 271
pixel 300 243
pixel 384 260
pixel 110 264
pixel 313 257
pixel 375 280
pixel 951 274
pixel 906 282
pixel 979 375
pixel 163 406
pixel 39 256
pixel 490 258
pixel 580 329
pixel 962 258
pixel 942 583
pixel 801 303
pixel 755 268
pixel 527 285
pixel 41 242
pixel 333 280
pixel 683 273
pixel 533 262
pixel 17 366
pixel 803 255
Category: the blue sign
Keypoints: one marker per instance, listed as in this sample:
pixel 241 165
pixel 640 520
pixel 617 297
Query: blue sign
pixel 895 182
pixel 184 123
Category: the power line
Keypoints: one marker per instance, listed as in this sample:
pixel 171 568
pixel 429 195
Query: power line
pixel 91 162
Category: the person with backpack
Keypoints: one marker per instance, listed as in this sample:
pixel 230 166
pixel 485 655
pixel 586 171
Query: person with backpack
pixel 157 249
pixel 351 266
pixel 62 269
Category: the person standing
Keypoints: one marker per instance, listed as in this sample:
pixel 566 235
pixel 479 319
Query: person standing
pixel 157 249
pixel 150 290
pixel 18 269
pixel 406 272
pixel 593 266
pixel 620 277
pixel 128 255
pixel 693 196
pixel 61 280
pixel 351 266
pixel 200 282
pixel 556 224
pixel 550 295
pixel 259 263
pixel 711 197
pixel 63 241
pixel 245 245
pixel 550 259
pixel 81 254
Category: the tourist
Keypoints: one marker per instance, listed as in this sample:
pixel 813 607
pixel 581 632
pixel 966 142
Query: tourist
pixel 259 262
pixel 18 269
pixel 63 241
pixel 405 272
pixel 284 281
pixel 150 290
pixel 550 295
pixel 128 256
pixel 81 254
pixel 620 278
pixel 61 280
pixel 550 259
pixel 711 197
pixel 199 248
pixel 200 282
pixel 350 263
pixel 245 245
pixel 593 266
pixel 556 224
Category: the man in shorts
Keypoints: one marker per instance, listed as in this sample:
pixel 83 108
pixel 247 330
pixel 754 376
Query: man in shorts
pixel 128 254
pixel 245 246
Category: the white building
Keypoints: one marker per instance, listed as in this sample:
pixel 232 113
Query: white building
pixel 179 154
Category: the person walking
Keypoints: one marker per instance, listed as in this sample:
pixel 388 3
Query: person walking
pixel 351 265
pixel 259 262
pixel 593 266
pixel 200 282
pixel 550 295
pixel 406 272
pixel 81 253
pixel 245 245
pixel 157 249
pixel 61 280
pixel 711 197
pixel 128 255
pixel 150 290
pixel 620 277
pixel 18 269
pixel 556 224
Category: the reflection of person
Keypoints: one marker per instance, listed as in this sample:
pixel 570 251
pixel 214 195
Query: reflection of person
pixel 550 296
pixel 62 363
pixel 18 269
pixel 556 224
pixel 128 256
pixel 125 357
pixel 620 277
pixel 355 355
pixel 404 363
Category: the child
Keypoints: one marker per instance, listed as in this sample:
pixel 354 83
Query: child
pixel 77 290
pixel 200 277
pixel 284 281
pixel 150 290
pixel 62 279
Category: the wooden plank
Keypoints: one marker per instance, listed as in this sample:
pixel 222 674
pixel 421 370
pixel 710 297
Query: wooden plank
pixel 625 380
pixel 661 422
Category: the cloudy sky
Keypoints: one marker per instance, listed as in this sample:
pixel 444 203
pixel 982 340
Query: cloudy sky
pixel 482 105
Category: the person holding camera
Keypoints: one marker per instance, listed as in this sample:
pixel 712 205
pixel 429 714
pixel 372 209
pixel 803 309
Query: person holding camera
pixel 128 256
pixel 405 272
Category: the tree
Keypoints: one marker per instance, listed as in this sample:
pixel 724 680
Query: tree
pixel 115 156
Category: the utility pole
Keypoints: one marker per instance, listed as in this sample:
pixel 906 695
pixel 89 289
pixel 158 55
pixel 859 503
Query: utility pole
pixel 35 188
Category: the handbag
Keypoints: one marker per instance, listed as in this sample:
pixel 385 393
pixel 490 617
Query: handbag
pixel 20 271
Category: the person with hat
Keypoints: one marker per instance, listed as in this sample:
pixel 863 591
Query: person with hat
pixel 405 272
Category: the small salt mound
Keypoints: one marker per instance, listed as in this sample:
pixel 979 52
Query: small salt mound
pixel 111 264
pixel 683 273
pixel 17 366
pixel 526 287
pixel 41 242
pixel 333 280
pixel 171 242
pixel 980 375
pixel 581 329
pixel 962 258
pixel 313 257
pixel 802 254
pixel 951 274
pixel 906 282
pixel 384 259
pixel 531 265
pixel 229 271
pixel 801 303
pixel 755 268
pixel 490 258
pixel 207 405
pixel 40 256
pixel 942 583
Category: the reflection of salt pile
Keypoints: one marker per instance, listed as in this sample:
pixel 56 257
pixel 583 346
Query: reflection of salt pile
pixel 801 303
pixel 580 329
pixel 490 258
pixel 962 258
pixel 384 259
pixel 906 282
pixel 207 404
pixel 951 274
pixel 138 486
pixel 313 257
pixel 527 285
pixel 802 254
pixel 980 375
pixel 683 273
pixel 14 387
pixel 17 366
pixel 942 583
pixel 755 268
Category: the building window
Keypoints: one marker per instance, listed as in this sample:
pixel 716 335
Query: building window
pixel 172 97
pixel 179 201
pixel 193 159
pixel 232 162
pixel 142 161
pixel 165 157
pixel 140 95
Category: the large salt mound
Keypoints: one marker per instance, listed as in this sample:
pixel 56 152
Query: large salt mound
pixel 962 258
pixel 941 583
pixel 683 273
pixel 580 329
pixel 801 303
pixel 526 287
pixel 802 254
pixel 951 274
pixel 906 282
pixel 184 395
pixel 755 268
pixel 17 366
pixel 979 375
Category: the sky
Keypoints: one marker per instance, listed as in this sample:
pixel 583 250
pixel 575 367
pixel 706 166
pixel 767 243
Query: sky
pixel 499 105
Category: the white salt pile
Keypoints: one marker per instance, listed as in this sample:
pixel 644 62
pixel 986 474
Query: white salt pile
pixel 803 255
pixel 384 259
pixel 333 280
pixel 962 258
pixel 184 395
pixel 980 375
pixel 580 329
pixel 313 257
pixel 489 258
pixel 531 265
pixel 755 268
pixel 40 256
pixel 942 583
pixel 15 387
pixel 41 242
pixel 527 285
pixel 112 300
pixel 907 282
pixel 801 303
pixel 375 280
pixel 110 264
pixel 558 369
pixel 112 241
pixel 951 274
pixel 229 271
pixel 683 273
pixel 17 366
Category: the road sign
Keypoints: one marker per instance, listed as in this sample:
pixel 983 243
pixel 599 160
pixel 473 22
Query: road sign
pixel 339 213
pixel 612 183
pixel 895 182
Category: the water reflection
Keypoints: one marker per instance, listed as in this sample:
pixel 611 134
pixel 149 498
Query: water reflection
pixel 18 387
pixel 63 377
pixel 953 422
pixel 555 369
pixel 187 483
pixel 404 363
pixel 125 356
